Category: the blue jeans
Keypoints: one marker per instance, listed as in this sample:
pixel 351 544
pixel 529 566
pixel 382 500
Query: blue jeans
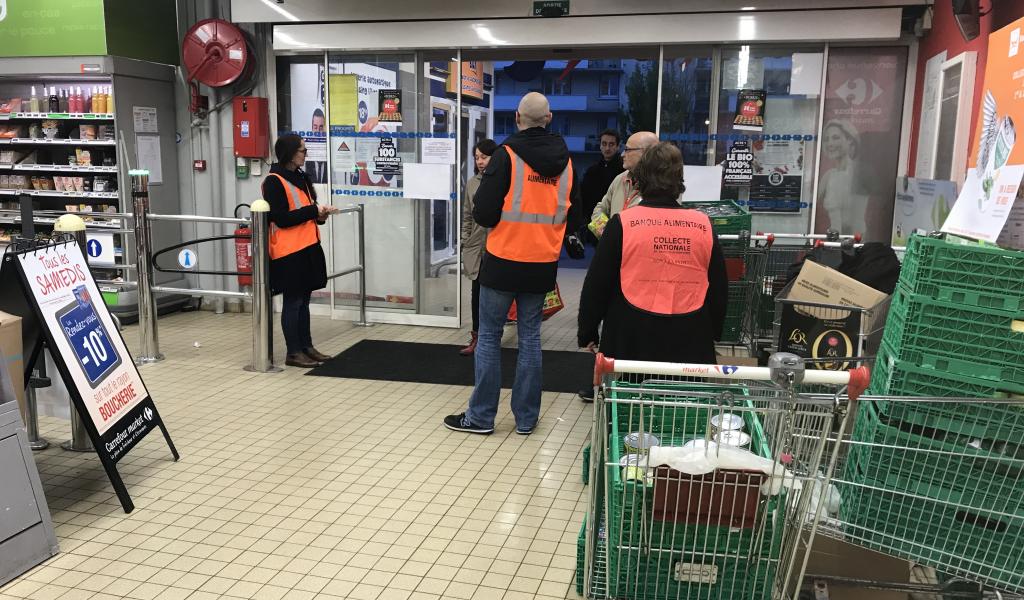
pixel 483 404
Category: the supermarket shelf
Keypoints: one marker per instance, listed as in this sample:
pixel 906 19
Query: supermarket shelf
pixel 57 142
pixel 88 224
pixel 62 168
pixel 56 194
pixel 59 116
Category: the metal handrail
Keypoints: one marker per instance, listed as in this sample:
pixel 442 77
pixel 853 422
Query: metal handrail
pixel 197 218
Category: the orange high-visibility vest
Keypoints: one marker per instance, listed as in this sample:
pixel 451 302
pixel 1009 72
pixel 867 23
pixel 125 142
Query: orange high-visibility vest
pixel 534 215
pixel 665 258
pixel 288 240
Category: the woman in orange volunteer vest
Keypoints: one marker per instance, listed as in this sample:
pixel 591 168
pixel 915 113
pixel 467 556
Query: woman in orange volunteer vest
pixel 297 263
pixel 657 286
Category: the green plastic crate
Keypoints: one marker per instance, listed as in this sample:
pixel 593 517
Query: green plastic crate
pixel 937 464
pixel 736 311
pixel 956 338
pixel 731 224
pixel 983 276
pixel 945 536
pixel 581 543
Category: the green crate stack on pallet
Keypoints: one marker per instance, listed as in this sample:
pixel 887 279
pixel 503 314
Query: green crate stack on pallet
pixel 726 216
pixel 637 574
pixel 955 329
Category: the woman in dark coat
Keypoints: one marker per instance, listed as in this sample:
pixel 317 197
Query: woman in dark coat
pixel 297 265
pixel 631 333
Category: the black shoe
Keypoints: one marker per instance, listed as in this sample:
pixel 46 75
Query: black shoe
pixel 301 360
pixel 525 430
pixel 586 395
pixel 460 423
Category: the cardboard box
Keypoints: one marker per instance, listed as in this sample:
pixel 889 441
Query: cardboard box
pixel 818 283
pixel 13 355
pixel 840 559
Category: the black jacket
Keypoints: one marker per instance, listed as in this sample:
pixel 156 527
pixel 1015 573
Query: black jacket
pixel 547 154
pixel 301 271
pixel 633 334
pixel 596 181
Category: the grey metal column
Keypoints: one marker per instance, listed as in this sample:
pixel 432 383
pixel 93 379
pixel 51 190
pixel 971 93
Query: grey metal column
pixel 362 322
pixel 149 342
pixel 32 415
pixel 79 442
pixel 262 306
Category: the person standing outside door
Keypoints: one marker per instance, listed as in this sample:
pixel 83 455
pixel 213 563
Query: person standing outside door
pixel 474 237
pixel 622 193
pixel 297 262
pixel 600 175
pixel 525 197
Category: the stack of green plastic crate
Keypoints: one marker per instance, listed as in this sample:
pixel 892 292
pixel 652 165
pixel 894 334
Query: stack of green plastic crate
pixel 955 329
pixel 745 559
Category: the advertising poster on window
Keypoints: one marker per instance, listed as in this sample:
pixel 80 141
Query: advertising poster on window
pixel 389 106
pixel 371 127
pixel 309 119
pixel 472 79
pixel 997 160
pixel 750 110
pixel 860 140
pixel 777 183
pixel 922 206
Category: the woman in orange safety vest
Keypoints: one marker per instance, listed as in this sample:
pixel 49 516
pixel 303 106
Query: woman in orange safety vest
pixel 297 263
pixel 657 286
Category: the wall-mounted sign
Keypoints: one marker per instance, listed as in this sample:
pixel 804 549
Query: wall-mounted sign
pixel 551 8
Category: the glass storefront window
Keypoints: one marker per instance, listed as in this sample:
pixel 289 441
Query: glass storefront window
pixel 686 102
pixel 780 192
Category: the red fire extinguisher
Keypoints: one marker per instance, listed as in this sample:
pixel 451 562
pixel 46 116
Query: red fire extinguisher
pixel 243 251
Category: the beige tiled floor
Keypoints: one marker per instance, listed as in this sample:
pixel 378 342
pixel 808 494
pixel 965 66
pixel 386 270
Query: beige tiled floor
pixel 310 487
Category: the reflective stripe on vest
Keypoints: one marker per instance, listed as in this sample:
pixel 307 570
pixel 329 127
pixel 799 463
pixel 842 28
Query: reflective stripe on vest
pixel 534 215
pixel 288 240
pixel 665 258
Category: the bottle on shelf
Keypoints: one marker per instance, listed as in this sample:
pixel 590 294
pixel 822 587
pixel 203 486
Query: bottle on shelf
pixel 33 101
pixel 99 101
pixel 64 100
pixel 53 103
pixel 110 99
pixel 80 100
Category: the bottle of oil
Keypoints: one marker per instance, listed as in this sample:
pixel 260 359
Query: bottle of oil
pixel 33 102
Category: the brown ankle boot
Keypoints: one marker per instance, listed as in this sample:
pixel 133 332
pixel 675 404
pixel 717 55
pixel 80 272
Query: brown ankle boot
pixel 468 350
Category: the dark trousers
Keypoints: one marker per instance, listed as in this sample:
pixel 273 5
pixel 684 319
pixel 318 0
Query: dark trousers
pixel 295 321
pixel 475 300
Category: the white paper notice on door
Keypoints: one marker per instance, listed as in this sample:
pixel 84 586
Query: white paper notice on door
pixel 144 119
pixel 147 154
pixel 438 150
pixel 985 203
pixel 427 181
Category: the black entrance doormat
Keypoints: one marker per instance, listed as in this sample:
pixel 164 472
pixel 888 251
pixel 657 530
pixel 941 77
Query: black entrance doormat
pixel 440 363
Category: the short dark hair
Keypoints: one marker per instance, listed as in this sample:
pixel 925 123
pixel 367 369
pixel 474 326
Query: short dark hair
pixel 318 113
pixel 659 173
pixel 611 132
pixel 486 147
pixel 284 149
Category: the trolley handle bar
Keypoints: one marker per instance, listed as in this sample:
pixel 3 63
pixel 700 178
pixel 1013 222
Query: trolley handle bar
pixel 856 380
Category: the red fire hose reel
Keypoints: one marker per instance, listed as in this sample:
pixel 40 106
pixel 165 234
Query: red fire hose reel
pixel 216 53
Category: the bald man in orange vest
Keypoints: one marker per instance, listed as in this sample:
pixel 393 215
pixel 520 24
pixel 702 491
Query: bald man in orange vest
pixel 526 196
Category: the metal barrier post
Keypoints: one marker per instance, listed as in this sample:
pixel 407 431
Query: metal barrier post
pixel 262 306
pixel 32 413
pixel 149 343
pixel 362 322
pixel 74 225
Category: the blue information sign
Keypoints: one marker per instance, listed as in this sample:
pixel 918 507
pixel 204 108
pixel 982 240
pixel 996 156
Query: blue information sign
pixel 88 338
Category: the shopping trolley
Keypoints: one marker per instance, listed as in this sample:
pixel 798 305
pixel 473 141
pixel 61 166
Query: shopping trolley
pixel 939 482
pixel 745 259
pixel 707 481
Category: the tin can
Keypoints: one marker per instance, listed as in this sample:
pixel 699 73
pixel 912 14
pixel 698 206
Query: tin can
pixel 726 422
pixel 735 439
pixel 638 443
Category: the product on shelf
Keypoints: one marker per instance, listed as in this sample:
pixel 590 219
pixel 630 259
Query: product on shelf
pixel 83 157
pixel 33 101
pixel 50 129
pixel 87 132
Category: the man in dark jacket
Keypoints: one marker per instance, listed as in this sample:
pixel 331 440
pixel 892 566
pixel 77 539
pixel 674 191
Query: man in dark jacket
pixel 528 198
pixel 599 176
